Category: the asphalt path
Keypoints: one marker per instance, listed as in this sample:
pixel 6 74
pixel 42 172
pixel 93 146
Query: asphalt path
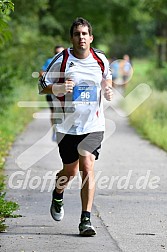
pixel 130 204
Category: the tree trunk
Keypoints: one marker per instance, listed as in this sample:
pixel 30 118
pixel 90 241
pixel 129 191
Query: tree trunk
pixel 159 55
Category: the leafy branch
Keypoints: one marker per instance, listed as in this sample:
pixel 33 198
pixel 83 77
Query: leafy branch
pixel 5 9
pixel 5 6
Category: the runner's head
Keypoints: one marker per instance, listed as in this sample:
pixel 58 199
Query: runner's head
pixel 58 48
pixel 80 21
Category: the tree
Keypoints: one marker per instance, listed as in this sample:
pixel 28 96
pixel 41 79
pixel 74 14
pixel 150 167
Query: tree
pixel 5 9
pixel 157 9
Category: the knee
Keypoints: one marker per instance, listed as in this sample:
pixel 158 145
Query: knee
pixel 87 170
pixel 71 172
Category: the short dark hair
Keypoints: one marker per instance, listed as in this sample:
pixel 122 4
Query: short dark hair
pixel 57 47
pixel 80 21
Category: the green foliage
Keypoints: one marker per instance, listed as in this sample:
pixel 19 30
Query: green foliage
pixel 150 118
pixel 156 8
pixel 6 5
pixel 14 118
pixel 6 87
pixel 159 77
pixel 13 121
pixel 5 8
pixel 6 211
pixel 7 207
pixel 109 17
pixel 5 33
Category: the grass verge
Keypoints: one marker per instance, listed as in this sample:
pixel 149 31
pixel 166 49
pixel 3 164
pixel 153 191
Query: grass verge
pixel 13 121
pixel 150 118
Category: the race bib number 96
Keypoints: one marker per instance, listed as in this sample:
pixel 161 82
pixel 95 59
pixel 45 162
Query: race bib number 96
pixel 85 94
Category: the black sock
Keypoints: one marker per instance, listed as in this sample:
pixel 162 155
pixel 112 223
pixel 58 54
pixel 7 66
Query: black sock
pixel 58 196
pixel 85 214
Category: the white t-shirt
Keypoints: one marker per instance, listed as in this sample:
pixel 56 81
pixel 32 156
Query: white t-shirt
pixel 83 109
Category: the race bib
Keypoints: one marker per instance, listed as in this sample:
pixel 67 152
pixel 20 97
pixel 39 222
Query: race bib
pixel 85 94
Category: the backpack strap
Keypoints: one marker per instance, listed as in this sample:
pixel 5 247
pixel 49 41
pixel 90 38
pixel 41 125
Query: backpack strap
pixel 63 66
pixel 61 78
pixel 96 57
pixel 101 64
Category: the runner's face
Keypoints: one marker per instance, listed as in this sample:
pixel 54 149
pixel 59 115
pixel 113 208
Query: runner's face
pixel 81 38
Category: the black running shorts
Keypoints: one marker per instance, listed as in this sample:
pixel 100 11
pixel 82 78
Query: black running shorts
pixel 69 144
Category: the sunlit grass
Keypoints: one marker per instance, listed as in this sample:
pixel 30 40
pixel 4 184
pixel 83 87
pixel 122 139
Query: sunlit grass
pixel 13 121
pixel 150 118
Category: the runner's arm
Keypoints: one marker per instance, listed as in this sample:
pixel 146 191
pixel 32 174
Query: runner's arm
pixel 59 89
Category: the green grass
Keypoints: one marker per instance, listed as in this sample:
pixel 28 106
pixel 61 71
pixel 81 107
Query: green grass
pixel 150 118
pixel 6 211
pixel 13 121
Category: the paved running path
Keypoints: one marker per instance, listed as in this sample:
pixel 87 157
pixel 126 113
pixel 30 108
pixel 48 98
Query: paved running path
pixel 130 215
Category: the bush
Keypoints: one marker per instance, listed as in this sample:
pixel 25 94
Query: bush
pixel 150 118
pixel 6 87
pixel 159 78
pixel 13 121
pixel 6 210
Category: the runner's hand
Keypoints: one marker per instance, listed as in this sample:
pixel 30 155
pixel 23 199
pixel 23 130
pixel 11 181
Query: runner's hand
pixel 67 87
pixel 108 93
pixel 63 88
